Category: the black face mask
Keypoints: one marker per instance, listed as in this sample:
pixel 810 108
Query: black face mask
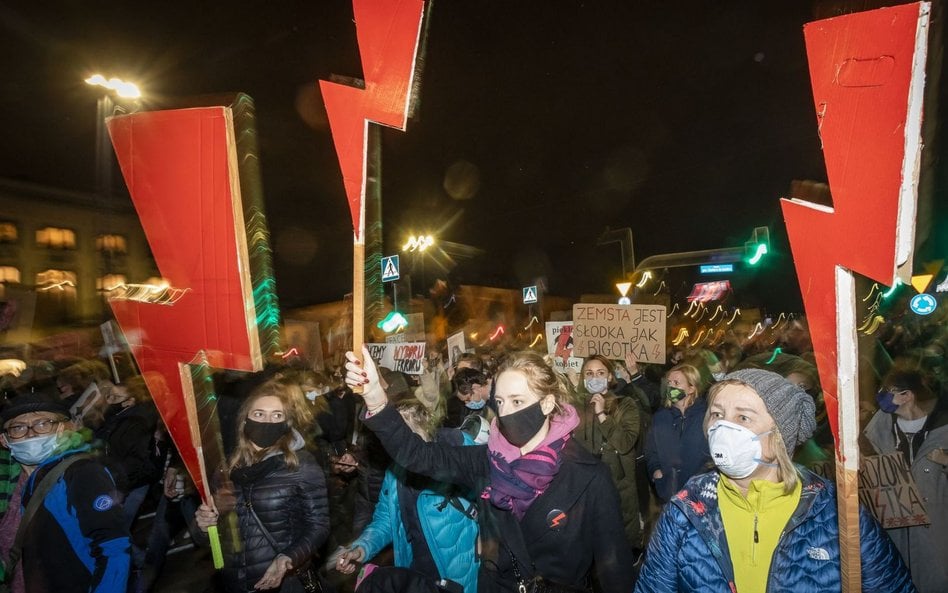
pixel 522 425
pixel 675 394
pixel 265 434
pixel 114 409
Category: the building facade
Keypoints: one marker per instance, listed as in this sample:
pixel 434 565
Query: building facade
pixel 60 254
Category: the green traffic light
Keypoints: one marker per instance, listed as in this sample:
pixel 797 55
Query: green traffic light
pixel 758 255
pixel 392 322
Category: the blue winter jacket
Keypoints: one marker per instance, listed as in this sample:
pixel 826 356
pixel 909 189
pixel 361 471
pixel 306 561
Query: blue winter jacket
pixel 688 552
pixel 77 541
pixel 451 532
pixel 678 446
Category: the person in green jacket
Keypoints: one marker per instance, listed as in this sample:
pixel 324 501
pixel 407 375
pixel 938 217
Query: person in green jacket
pixel 610 429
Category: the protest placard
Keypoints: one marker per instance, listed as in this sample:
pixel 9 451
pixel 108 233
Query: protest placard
pixel 887 488
pixel 559 344
pixel 616 330
pixel 456 347
pixel 404 357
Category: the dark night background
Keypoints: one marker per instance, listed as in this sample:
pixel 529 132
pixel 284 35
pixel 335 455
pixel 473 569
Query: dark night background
pixel 539 124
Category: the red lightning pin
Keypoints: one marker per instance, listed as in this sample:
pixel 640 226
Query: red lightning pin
pixel 867 73
pixel 388 34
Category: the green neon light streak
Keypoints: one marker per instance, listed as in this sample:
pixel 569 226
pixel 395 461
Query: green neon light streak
pixel 891 291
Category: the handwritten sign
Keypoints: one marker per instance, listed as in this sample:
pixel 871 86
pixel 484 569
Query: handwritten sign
pixel 616 330
pixel 404 357
pixel 456 347
pixel 886 488
pixel 559 344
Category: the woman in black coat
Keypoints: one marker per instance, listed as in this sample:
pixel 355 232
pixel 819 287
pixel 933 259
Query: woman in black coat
pixel 281 505
pixel 548 510
pixel 133 453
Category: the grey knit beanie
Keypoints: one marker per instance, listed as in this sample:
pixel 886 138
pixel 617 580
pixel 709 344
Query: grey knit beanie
pixel 791 407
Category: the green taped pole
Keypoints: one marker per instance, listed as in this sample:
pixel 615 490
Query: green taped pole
pixel 216 553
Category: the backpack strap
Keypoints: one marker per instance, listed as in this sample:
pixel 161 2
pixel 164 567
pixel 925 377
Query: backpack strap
pixel 36 500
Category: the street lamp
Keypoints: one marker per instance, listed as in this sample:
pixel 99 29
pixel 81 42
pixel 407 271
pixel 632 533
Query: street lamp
pixel 106 107
pixel 419 243
pixel 417 246
pixel 122 88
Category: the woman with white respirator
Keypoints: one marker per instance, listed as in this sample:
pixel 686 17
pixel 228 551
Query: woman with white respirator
pixel 758 523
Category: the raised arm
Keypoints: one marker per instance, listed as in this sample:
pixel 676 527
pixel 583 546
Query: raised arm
pixel 466 466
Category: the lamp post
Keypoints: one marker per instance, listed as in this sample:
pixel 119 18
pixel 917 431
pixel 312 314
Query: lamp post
pixel 105 107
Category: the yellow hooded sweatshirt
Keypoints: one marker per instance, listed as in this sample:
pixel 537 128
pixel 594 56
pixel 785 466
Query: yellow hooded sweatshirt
pixel 752 525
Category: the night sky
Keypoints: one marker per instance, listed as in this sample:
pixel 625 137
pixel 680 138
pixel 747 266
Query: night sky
pixel 539 124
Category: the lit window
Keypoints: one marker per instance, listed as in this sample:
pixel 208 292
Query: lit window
pixel 111 243
pixel 8 233
pixel 9 274
pixel 56 237
pixel 109 282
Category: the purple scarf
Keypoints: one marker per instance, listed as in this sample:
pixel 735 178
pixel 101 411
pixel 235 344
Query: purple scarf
pixel 517 480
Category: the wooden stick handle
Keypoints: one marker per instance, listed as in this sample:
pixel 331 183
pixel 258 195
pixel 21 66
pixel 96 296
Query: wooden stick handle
pixel 358 302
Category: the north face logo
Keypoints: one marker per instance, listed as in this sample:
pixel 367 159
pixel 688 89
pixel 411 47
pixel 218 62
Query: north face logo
pixel 817 553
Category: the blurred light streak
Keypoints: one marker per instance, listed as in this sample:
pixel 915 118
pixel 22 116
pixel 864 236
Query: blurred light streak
pixel 682 334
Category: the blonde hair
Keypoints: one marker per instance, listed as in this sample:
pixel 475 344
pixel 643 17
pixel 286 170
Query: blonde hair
pixel 786 471
pixel 418 417
pixel 245 455
pixel 692 375
pixel 294 387
pixel 541 378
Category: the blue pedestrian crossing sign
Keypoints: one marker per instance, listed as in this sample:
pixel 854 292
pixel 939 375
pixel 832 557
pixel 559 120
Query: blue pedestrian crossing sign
pixel 529 295
pixel 390 268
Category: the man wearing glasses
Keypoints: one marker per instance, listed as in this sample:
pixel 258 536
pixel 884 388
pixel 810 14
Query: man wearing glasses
pixel 77 539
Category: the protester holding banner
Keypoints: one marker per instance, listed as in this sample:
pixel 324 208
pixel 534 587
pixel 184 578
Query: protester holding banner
pixel 281 504
pixel 912 421
pixel 609 428
pixel 676 447
pixel 759 523
pixel 547 509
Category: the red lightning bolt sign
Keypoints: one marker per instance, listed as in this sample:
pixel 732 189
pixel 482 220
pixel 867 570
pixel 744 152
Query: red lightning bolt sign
pixel 388 33
pixel 867 73
pixel 181 168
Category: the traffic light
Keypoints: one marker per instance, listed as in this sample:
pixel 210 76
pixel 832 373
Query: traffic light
pixel 758 246
pixel 394 321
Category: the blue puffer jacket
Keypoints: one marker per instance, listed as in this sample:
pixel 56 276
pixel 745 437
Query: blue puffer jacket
pixel 688 552
pixel 451 532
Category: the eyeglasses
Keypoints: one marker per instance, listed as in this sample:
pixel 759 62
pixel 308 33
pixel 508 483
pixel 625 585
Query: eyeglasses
pixel 45 426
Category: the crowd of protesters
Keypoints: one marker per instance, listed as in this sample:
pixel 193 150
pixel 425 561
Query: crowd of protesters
pixel 498 472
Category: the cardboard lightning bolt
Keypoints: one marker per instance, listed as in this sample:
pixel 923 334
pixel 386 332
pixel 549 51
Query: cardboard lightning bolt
pixel 194 179
pixel 868 75
pixel 388 34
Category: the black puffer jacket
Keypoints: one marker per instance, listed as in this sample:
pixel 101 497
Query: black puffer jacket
pixel 570 531
pixel 294 508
